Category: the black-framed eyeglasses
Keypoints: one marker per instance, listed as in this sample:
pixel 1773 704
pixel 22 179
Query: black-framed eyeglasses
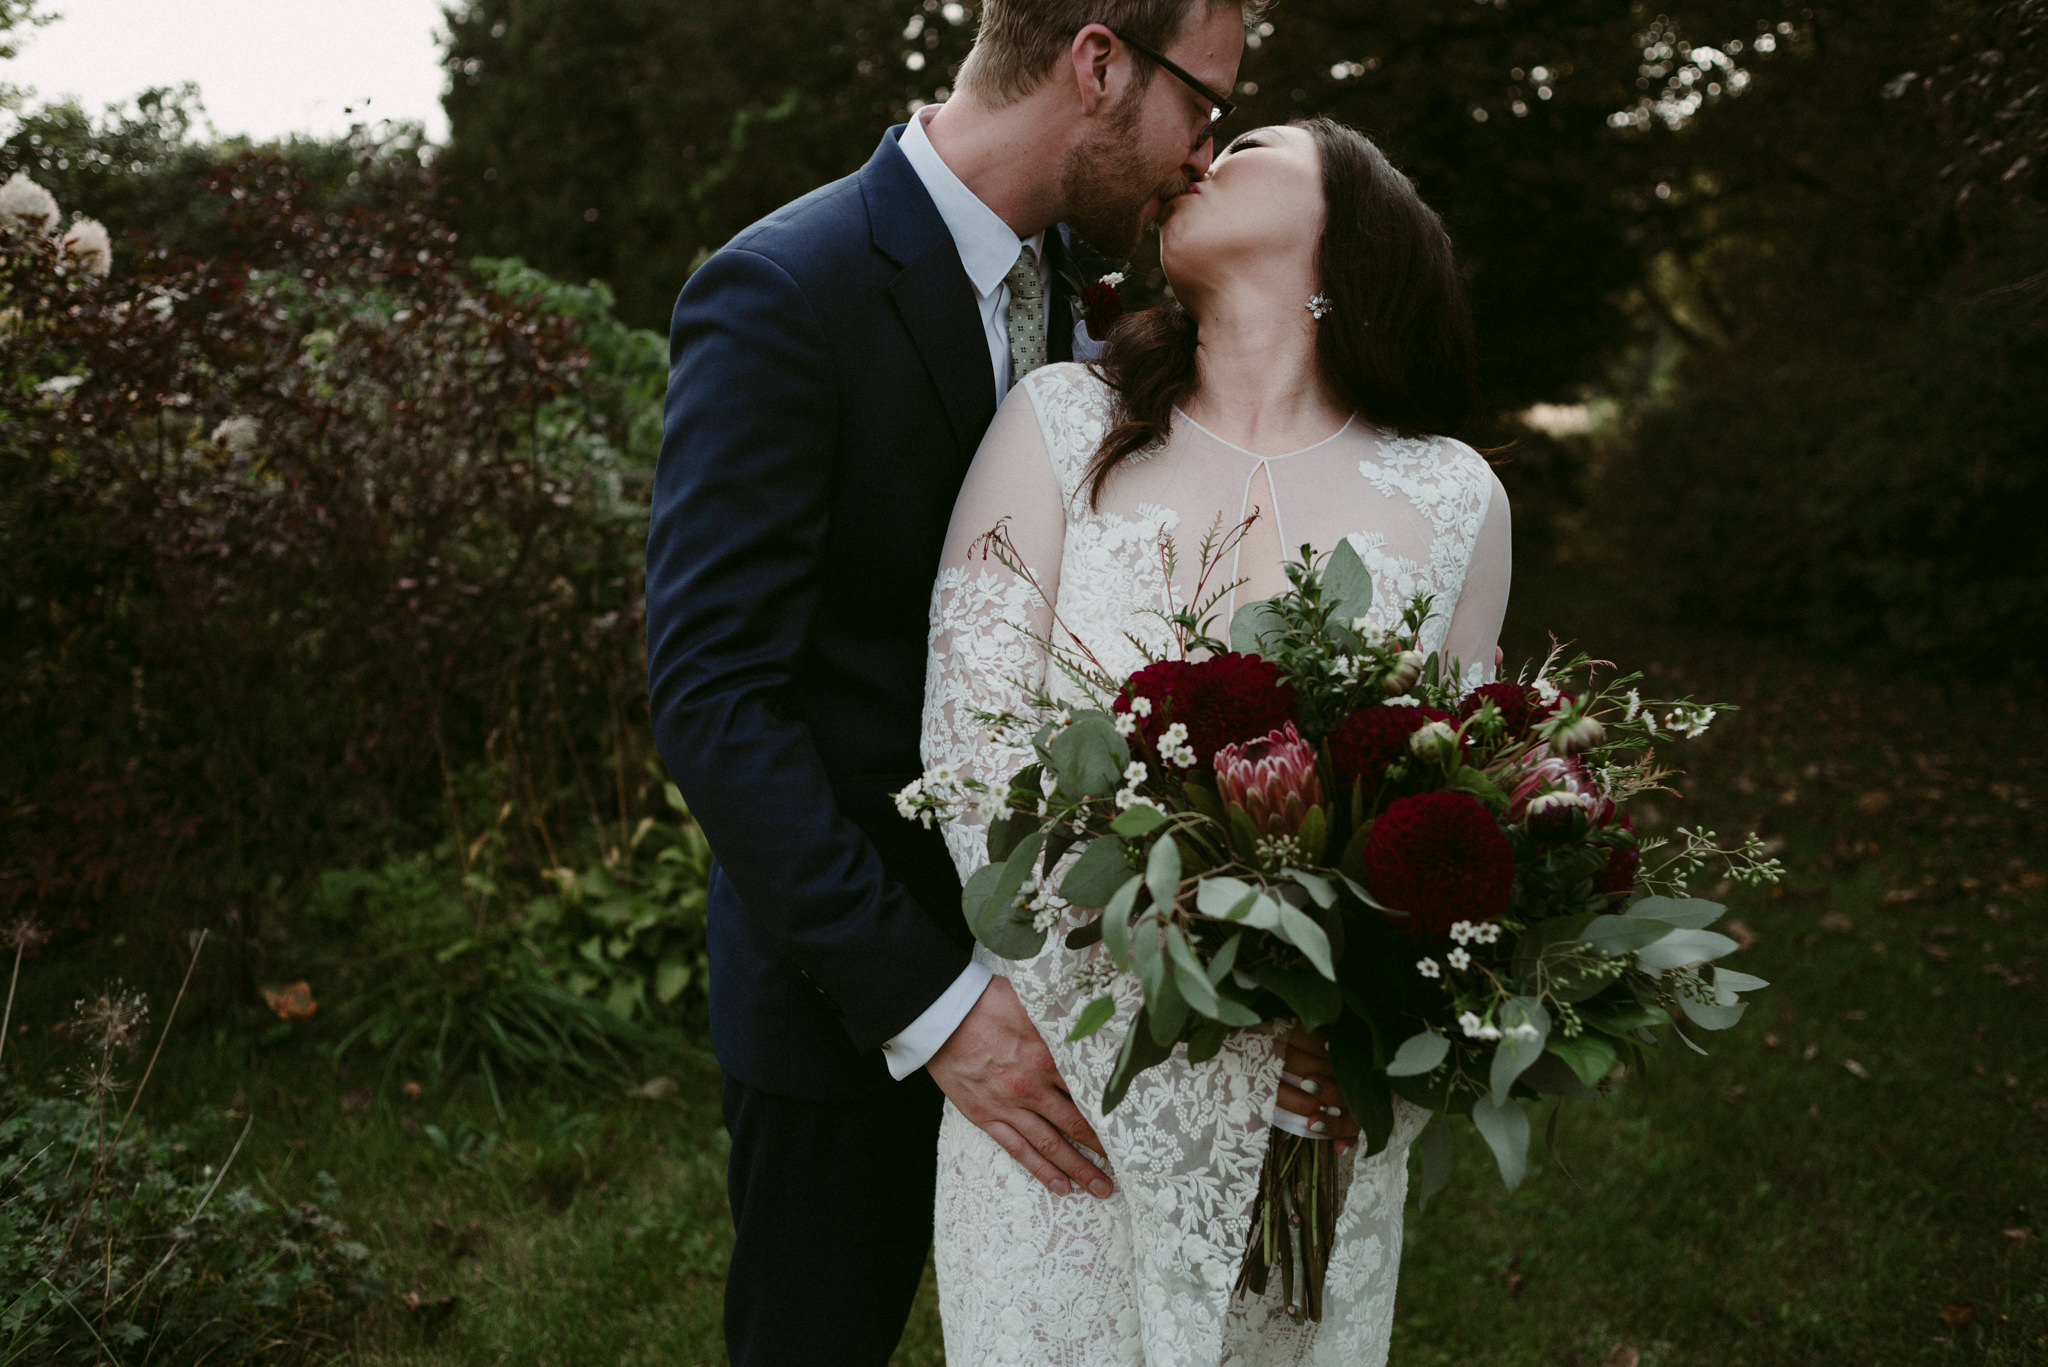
pixel 1220 106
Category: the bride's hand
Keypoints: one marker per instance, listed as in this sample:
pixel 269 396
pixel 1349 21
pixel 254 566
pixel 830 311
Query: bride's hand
pixel 1308 1058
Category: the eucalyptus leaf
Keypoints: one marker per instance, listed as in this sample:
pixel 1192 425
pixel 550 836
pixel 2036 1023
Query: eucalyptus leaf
pixel 1683 947
pixel 1552 1076
pixel 1590 1056
pixel 1169 1007
pixel 1116 921
pixel 1727 982
pixel 1315 1000
pixel 1219 896
pixel 1140 1051
pixel 1006 833
pixel 1252 621
pixel 1189 974
pixel 1708 1015
pixel 1505 1128
pixel 1206 1042
pixel 1299 929
pixel 1434 1155
pixel 1202 798
pixel 1085 934
pixel 1623 934
pixel 1319 887
pixel 1137 821
pixel 1512 1056
pixel 1687 913
pixel 1097 874
pixel 1347 584
pixel 1226 959
pixel 1094 1016
pixel 1419 1054
pixel 1089 756
pixel 997 921
pixel 1162 873
pixel 1366 1094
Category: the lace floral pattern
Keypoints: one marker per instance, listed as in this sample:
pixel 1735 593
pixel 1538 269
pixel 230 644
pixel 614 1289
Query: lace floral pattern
pixel 1146 1276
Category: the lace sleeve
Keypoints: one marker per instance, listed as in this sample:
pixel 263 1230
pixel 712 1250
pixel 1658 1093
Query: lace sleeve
pixel 985 619
pixel 1483 601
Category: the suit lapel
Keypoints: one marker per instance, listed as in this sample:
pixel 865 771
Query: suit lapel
pixel 932 295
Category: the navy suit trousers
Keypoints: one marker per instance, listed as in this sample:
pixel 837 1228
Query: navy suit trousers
pixel 832 1208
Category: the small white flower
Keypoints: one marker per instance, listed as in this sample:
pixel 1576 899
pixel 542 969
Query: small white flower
pixel 57 386
pixel 1141 707
pixel 1127 798
pixel 1545 689
pixel 1469 1023
pixel 1062 719
pixel 89 248
pixel 1486 934
pixel 25 204
pixel 1635 705
pixel 939 775
pixel 1361 625
pixel 1135 772
pixel 1174 747
pixel 1461 932
pixel 1048 782
pixel 1043 806
pixel 1404 700
pixel 1459 959
pixel 1113 279
pixel 1125 724
pixel 1489 1033
pixel 1524 1032
pixel 1429 968
pixel 990 806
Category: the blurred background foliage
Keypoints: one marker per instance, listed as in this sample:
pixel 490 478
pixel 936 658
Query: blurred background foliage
pixel 321 514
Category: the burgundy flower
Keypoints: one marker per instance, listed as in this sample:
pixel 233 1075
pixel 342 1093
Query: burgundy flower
pixel 1520 706
pixel 1370 739
pixel 1273 779
pixel 1221 700
pixel 1101 305
pixel 1441 858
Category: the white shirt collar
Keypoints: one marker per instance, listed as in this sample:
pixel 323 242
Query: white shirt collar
pixel 987 246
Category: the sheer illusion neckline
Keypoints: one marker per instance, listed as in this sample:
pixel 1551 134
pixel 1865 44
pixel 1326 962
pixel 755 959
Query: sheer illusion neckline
pixel 1349 423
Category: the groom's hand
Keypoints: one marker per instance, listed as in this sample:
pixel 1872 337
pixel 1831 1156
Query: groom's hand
pixel 999 1073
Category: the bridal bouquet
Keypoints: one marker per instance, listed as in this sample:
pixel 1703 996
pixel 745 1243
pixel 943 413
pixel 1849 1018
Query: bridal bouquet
pixel 1318 822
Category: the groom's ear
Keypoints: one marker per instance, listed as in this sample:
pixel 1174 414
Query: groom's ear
pixel 1099 78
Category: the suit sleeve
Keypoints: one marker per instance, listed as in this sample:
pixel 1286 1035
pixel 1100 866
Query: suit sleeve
pixel 734 564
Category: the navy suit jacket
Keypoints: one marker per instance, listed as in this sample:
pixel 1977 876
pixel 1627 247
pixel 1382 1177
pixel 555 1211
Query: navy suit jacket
pixel 829 381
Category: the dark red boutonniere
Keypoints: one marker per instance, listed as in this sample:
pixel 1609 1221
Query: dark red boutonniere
pixel 1100 304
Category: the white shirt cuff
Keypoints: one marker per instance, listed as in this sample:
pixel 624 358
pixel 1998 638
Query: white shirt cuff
pixel 928 1034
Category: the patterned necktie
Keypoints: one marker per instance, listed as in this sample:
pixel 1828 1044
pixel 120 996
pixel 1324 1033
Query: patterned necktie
pixel 1027 315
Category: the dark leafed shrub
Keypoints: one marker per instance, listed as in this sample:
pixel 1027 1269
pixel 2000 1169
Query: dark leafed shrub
pixel 300 539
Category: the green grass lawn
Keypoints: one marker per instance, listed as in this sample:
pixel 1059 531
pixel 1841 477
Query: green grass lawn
pixel 1858 1174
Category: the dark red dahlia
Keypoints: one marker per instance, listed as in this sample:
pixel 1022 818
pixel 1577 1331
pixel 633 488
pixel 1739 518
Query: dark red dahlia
pixel 1370 739
pixel 1441 858
pixel 1222 700
pixel 1520 706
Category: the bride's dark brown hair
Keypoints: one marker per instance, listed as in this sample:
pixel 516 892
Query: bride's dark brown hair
pixel 1396 345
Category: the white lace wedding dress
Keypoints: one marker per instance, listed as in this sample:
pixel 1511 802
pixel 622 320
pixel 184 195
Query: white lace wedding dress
pixel 1147 1277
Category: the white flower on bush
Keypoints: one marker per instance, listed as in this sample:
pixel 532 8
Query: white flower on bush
pixel 238 434
pixel 88 248
pixel 1474 1028
pixel 1141 706
pixel 1459 959
pixel 25 204
pixel 1174 747
pixel 1524 1032
pixel 1429 968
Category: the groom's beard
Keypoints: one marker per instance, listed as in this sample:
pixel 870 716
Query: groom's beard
pixel 1103 182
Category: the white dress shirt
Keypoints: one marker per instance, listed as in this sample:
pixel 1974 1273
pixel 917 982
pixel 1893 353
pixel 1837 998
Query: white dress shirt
pixel 988 249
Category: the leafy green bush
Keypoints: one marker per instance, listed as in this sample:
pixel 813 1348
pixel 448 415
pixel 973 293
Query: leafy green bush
pixel 578 973
pixel 134 1252
pixel 299 538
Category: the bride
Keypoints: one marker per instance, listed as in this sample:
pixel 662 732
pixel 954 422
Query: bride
pixel 1318 348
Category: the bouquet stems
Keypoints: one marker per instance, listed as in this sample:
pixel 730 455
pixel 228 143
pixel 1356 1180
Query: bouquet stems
pixel 1293 1217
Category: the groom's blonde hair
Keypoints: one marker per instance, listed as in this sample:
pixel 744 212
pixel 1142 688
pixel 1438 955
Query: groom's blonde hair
pixel 1019 40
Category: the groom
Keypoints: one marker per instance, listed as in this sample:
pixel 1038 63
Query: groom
pixel 832 371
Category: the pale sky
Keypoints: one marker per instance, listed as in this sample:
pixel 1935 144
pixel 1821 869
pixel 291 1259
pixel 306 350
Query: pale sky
pixel 264 67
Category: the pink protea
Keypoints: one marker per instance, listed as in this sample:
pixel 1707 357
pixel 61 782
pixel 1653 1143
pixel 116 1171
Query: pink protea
pixel 1273 779
pixel 1549 788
